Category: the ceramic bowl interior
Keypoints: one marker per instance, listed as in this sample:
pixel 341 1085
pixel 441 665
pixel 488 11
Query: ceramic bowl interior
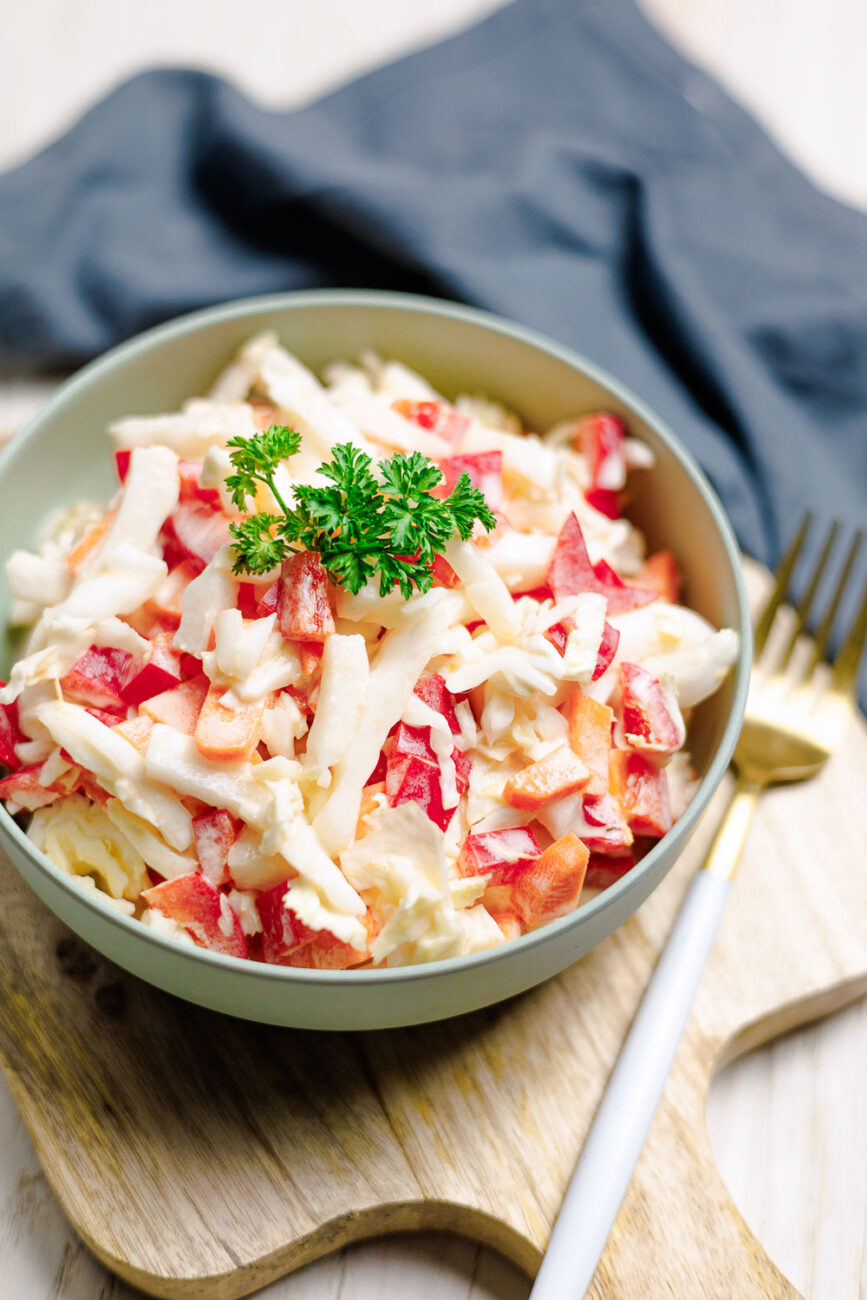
pixel 64 456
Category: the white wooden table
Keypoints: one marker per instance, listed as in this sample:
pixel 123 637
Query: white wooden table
pixel 789 1123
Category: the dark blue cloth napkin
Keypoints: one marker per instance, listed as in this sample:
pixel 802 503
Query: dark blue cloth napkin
pixel 559 164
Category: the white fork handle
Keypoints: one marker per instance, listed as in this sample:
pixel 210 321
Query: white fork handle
pixel 617 1135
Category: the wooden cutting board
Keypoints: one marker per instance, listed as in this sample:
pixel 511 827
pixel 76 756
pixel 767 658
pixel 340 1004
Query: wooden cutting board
pixel 200 1156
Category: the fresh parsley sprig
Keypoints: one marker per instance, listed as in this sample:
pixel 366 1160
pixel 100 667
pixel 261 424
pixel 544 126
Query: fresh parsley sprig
pixel 373 518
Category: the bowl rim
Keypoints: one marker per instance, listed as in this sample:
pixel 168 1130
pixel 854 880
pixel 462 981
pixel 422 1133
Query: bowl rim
pixel 189 323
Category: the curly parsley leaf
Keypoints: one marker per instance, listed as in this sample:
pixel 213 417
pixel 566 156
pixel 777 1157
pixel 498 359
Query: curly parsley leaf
pixel 371 519
pixel 255 460
pixel 258 546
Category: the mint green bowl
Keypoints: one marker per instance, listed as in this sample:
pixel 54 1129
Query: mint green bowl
pixel 63 455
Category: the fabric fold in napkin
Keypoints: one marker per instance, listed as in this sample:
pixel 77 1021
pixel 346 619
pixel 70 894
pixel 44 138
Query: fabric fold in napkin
pixel 559 164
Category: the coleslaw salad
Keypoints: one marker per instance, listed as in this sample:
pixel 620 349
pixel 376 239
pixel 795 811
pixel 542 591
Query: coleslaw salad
pixel 277 767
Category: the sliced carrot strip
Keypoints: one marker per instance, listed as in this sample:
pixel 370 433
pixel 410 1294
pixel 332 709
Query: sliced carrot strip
pixel 508 921
pixel 552 885
pixel 369 804
pixel 89 542
pixel 179 707
pixel 137 731
pixel 230 734
pixel 590 737
pixel 557 774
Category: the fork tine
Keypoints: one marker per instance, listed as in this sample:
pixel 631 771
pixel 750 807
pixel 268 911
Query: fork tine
pixel 782 578
pixel 806 602
pixel 823 633
pixel 845 668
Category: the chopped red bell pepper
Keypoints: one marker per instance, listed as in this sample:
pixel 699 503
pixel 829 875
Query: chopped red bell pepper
pixel 571 572
pixel 160 672
pixel 463 766
pixel 412 742
pixel 437 417
pixel 122 459
pixel 25 789
pixel 412 773
pixel 303 609
pixel 607 503
pixel 179 707
pixel 194 532
pixel 612 835
pixel 190 489
pixel 215 832
pixel 10 734
pixel 484 470
pixel 603 871
pixel 648 722
pixel 255 601
pixel 643 793
pixel 433 690
pixel 287 941
pixel 607 650
pixel 195 904
pixel 98 678
pixel 248 599
pixel 107 719
pixel 601 438
pixel 191 666
pixel 500 853
pixel 607 576
pixel 558 634
pixel 412 780
pixel 268 601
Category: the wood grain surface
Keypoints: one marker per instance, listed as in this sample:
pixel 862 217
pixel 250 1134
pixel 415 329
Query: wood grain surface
pixel 200 1156
pixel 788 1123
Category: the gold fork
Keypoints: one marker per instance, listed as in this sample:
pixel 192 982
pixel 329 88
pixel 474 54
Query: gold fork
pixel 793 722
pixel 797 714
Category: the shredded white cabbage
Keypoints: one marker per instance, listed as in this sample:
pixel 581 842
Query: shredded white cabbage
pixel 81 839
pixel 190 432
pixel 342 693
pixel 402 858
pixel 150 495
pixel 214 590
pixel 403 655
pixel 119 768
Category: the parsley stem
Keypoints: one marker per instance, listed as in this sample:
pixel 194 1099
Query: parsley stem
pixel 268 480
